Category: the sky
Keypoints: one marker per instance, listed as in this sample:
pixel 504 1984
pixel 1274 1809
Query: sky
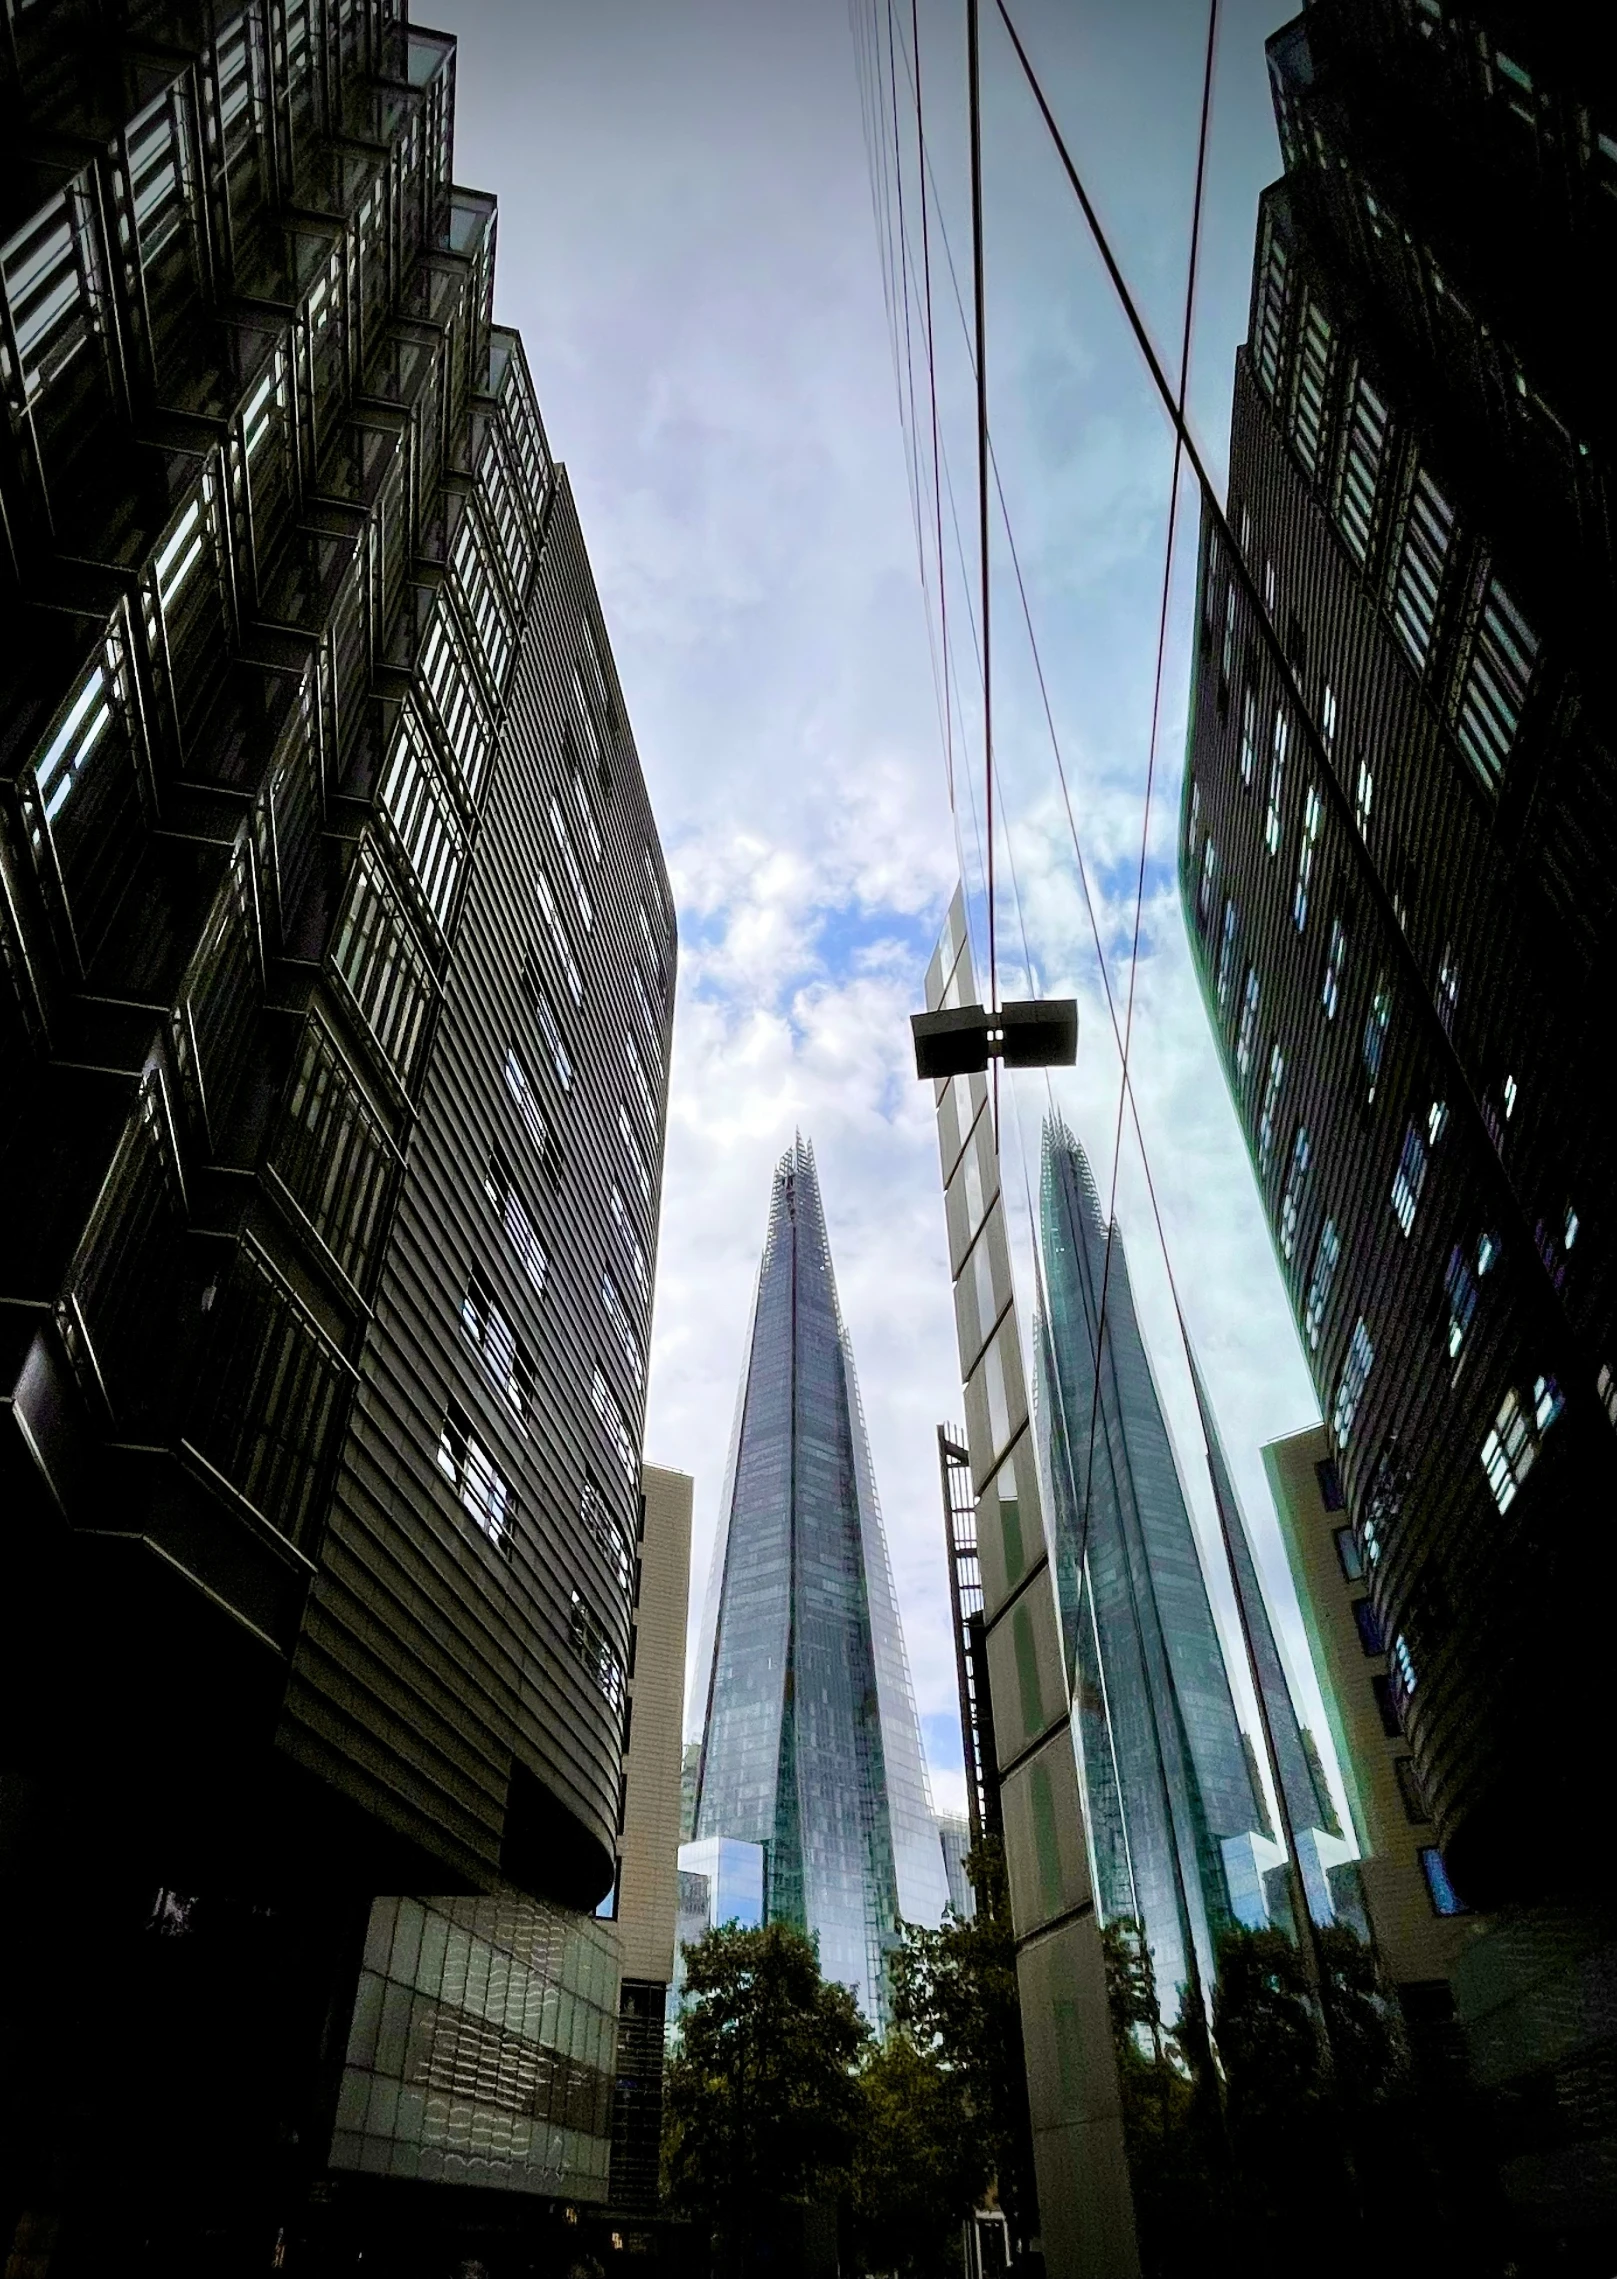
pixel 689 244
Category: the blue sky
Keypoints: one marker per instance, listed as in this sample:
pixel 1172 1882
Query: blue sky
pixel 687 243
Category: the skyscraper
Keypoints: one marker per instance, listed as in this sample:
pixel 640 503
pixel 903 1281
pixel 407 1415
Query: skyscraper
pixel 1397 855
pixel 810 1744
pixel 1304 1789
pixel 1167 1770
pixel 335 989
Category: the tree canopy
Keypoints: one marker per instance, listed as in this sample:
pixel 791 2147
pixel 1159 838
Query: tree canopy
pixel 763 2107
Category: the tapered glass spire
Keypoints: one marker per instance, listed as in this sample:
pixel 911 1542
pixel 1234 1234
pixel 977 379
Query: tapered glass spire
pixel 811 1745
pixel 1173 1800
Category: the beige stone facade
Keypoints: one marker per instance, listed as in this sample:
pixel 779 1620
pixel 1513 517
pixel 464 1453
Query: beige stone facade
pixel 648 1888
pixel 1417 1944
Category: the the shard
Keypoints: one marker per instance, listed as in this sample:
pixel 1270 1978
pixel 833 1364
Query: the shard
pixel 1174 1804
pixel 811 1745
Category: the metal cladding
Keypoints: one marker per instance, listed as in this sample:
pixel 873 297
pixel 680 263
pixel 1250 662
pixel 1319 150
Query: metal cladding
pixel 1397 870
pixel 337 971
pixel 811 1745
pixel 1166 1769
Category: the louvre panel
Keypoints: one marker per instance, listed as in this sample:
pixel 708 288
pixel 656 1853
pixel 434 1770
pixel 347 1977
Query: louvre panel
pixel 334 1156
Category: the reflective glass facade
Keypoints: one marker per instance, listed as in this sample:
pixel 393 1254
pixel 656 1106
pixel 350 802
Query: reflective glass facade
pixel 1166 1766
pixel 482 2047
pixel 1398 847
pixel 811 1744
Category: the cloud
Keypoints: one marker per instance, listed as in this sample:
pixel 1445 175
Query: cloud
pixel 686 242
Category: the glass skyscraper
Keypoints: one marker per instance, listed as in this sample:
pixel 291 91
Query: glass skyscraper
pixel 1173 1802
pixel 811 1745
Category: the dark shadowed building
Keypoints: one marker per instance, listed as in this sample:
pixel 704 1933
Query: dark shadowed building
pixel 338 959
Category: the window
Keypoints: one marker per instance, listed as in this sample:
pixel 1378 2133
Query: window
pixel 1569 1229
pixel 575 877
pixel 332 1155
pixel 478 597
pixel 1548 1402
pixel 1509 1096
pixel 549 1027
pixel 1327 716
pixel 1409 1789
pixel 1387 1707
pixel 1312 384
pixel 1313 815
pixel 1437 1121
pixel 381 962
pixel 635 1152
pixel 587 1636
pixel 1498 672
pixel 624 1221
pixel 1422 558
pixel 1272 826
pixel 622 1328
pixel 1246 1041
pixel 1249 735
pixel 1327 1250
pixel 1330 1484
pixel 1271 1102
pixel 1508 1451
pixel 1461 1291
pixel 1445 1899
pixel 1369 1629
pixel 500 1188
pixel 1375 1029
pixel 1348 1555
pixel 1363 796
pixel 558 937
pixel 642 1082
pixel 603 1531
pixel 1403 1668
pixel 1487 1253
pixel 1226 955
pixel 482 1488
pixel 581 801
pixel 1355 1375
pixel 520 1086
pixel 1448 986
pixel 509 1364
pixel 1296 1188
pixel 648 1019
pixel 611 1415
pixel 460 714
pixel 1606 1387
pixel 415 803
pixel 1409 1179
pixel 1269 321
pixel 1330 994
pixel 1364 450
pixel 1204 895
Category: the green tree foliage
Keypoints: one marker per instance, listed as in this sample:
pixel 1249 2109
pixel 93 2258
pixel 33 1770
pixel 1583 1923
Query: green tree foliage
pixel 954 1994
pixel 763 2107
pixel 920 2167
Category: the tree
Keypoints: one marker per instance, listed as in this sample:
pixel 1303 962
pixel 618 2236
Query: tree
pixel 762 2104
pixel 920 2167
pixel 954 1995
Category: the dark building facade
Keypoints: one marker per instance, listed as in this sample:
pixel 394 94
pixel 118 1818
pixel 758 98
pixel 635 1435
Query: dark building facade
pixel 338 969
pixel 1397 864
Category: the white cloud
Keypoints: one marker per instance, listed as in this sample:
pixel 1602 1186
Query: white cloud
pixel 686 241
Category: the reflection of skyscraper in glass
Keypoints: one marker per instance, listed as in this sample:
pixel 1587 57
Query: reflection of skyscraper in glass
pixel 1302 1777
pixel 1173 1802
pixel 811 1744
